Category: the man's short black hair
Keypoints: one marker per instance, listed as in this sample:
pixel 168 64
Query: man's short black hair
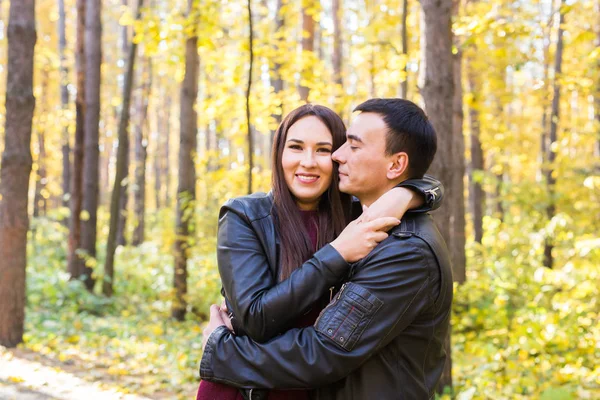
pixel 409 130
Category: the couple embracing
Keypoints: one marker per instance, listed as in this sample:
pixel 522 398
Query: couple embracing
pixel 337 283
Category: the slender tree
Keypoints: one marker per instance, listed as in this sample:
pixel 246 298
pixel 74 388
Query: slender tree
pixel 186 191
pixel 276 79
pixel 167 152
pixel 141 153
pixel 438 95
pixel 124 196
pixel 597 94
pixel 477 195
pixel 15 170
pixel 120 175
pixel 552 135
pixel 404 34
pixel 308 47
pixel 93 56
pixel 337 54
pixel 248 91
pixel 457 142
pixel 41 171
pixel 75 260
pixel 64 102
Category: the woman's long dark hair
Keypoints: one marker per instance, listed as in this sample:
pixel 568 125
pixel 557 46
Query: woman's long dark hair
pixel 333 209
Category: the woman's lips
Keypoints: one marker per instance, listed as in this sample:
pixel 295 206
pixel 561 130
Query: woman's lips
pixel 304 178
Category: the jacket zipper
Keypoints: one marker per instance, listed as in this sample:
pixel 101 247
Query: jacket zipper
pixel 330 303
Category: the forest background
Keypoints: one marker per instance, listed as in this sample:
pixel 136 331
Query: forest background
pixel 174 104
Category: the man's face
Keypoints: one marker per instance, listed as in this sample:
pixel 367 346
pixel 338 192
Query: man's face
pixel 363 162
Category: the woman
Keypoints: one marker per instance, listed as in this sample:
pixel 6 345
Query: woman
pixel 265 240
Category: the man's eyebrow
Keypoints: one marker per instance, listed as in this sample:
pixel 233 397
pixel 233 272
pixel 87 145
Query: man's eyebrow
pixel 354 137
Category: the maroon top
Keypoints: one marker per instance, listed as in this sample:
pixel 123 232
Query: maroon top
pixel 219 391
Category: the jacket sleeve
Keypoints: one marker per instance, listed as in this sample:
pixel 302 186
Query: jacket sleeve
pixel 429 188
pixel 263 307
pixel 384 296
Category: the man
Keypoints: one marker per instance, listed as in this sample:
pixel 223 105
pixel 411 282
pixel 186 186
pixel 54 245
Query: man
pixel 382 335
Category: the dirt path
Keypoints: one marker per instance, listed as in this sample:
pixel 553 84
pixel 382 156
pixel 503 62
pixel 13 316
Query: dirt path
pixel 22 379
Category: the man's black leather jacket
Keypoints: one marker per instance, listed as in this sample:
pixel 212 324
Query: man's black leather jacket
pixel 391 316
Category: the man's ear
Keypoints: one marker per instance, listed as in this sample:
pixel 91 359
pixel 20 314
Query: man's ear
pixel 398 166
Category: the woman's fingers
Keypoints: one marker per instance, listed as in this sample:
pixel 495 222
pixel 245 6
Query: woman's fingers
pixel 383 223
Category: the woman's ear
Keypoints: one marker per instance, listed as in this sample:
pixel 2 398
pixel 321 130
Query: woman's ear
pixel 398 166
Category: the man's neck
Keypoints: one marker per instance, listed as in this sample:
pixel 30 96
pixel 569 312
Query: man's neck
pixel 367 199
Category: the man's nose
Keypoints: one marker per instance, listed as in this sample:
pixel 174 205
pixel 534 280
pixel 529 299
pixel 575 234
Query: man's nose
pixel 337 155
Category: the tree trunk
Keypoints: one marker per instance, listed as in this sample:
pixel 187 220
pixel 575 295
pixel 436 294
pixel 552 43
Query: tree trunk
pixel 552 136
pixel 248 91
pixel 41 175
pixel 458 148
pixel 276 80
pixel 64 103
pixel 15 170
pixel 186 191
pixel 93 56
pixel 477 161
pixel 404 83
pixel 123 198
pixel 75 261
pixel 597 96
pixel 166 166
pixel 120 175
pixel 438 96
pixel 308 46
pixel 141 154
pixel 337 55
pixel 124 187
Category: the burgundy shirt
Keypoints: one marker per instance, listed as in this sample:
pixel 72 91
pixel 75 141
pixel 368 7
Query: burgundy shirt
pixel 219 391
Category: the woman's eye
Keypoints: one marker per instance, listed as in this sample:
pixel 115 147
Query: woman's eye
pixel 324 150
pixel 295 147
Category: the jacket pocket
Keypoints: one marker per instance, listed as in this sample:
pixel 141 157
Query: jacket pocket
pixel 346 318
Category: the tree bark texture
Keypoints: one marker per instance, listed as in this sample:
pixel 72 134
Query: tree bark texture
pixel 553 135
pixel 16 169
pixel 404 34
pixel 276 79
pixel 93 57
pixel 458 147
pixel 438 95
pixel 186 191
pixel 308 45
pixel 141 154
pixel 477 195
pixel 121 173
pixel 167 162
pixel 75 261
pixel 248 92
pixel 64 103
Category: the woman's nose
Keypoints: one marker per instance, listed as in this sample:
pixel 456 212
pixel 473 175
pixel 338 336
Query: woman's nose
pixel 308 160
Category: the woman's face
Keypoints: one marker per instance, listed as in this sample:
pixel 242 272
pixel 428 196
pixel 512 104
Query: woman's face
pixel 306 161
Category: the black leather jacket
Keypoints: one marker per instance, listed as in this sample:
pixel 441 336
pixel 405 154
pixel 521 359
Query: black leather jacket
pixel 391 316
